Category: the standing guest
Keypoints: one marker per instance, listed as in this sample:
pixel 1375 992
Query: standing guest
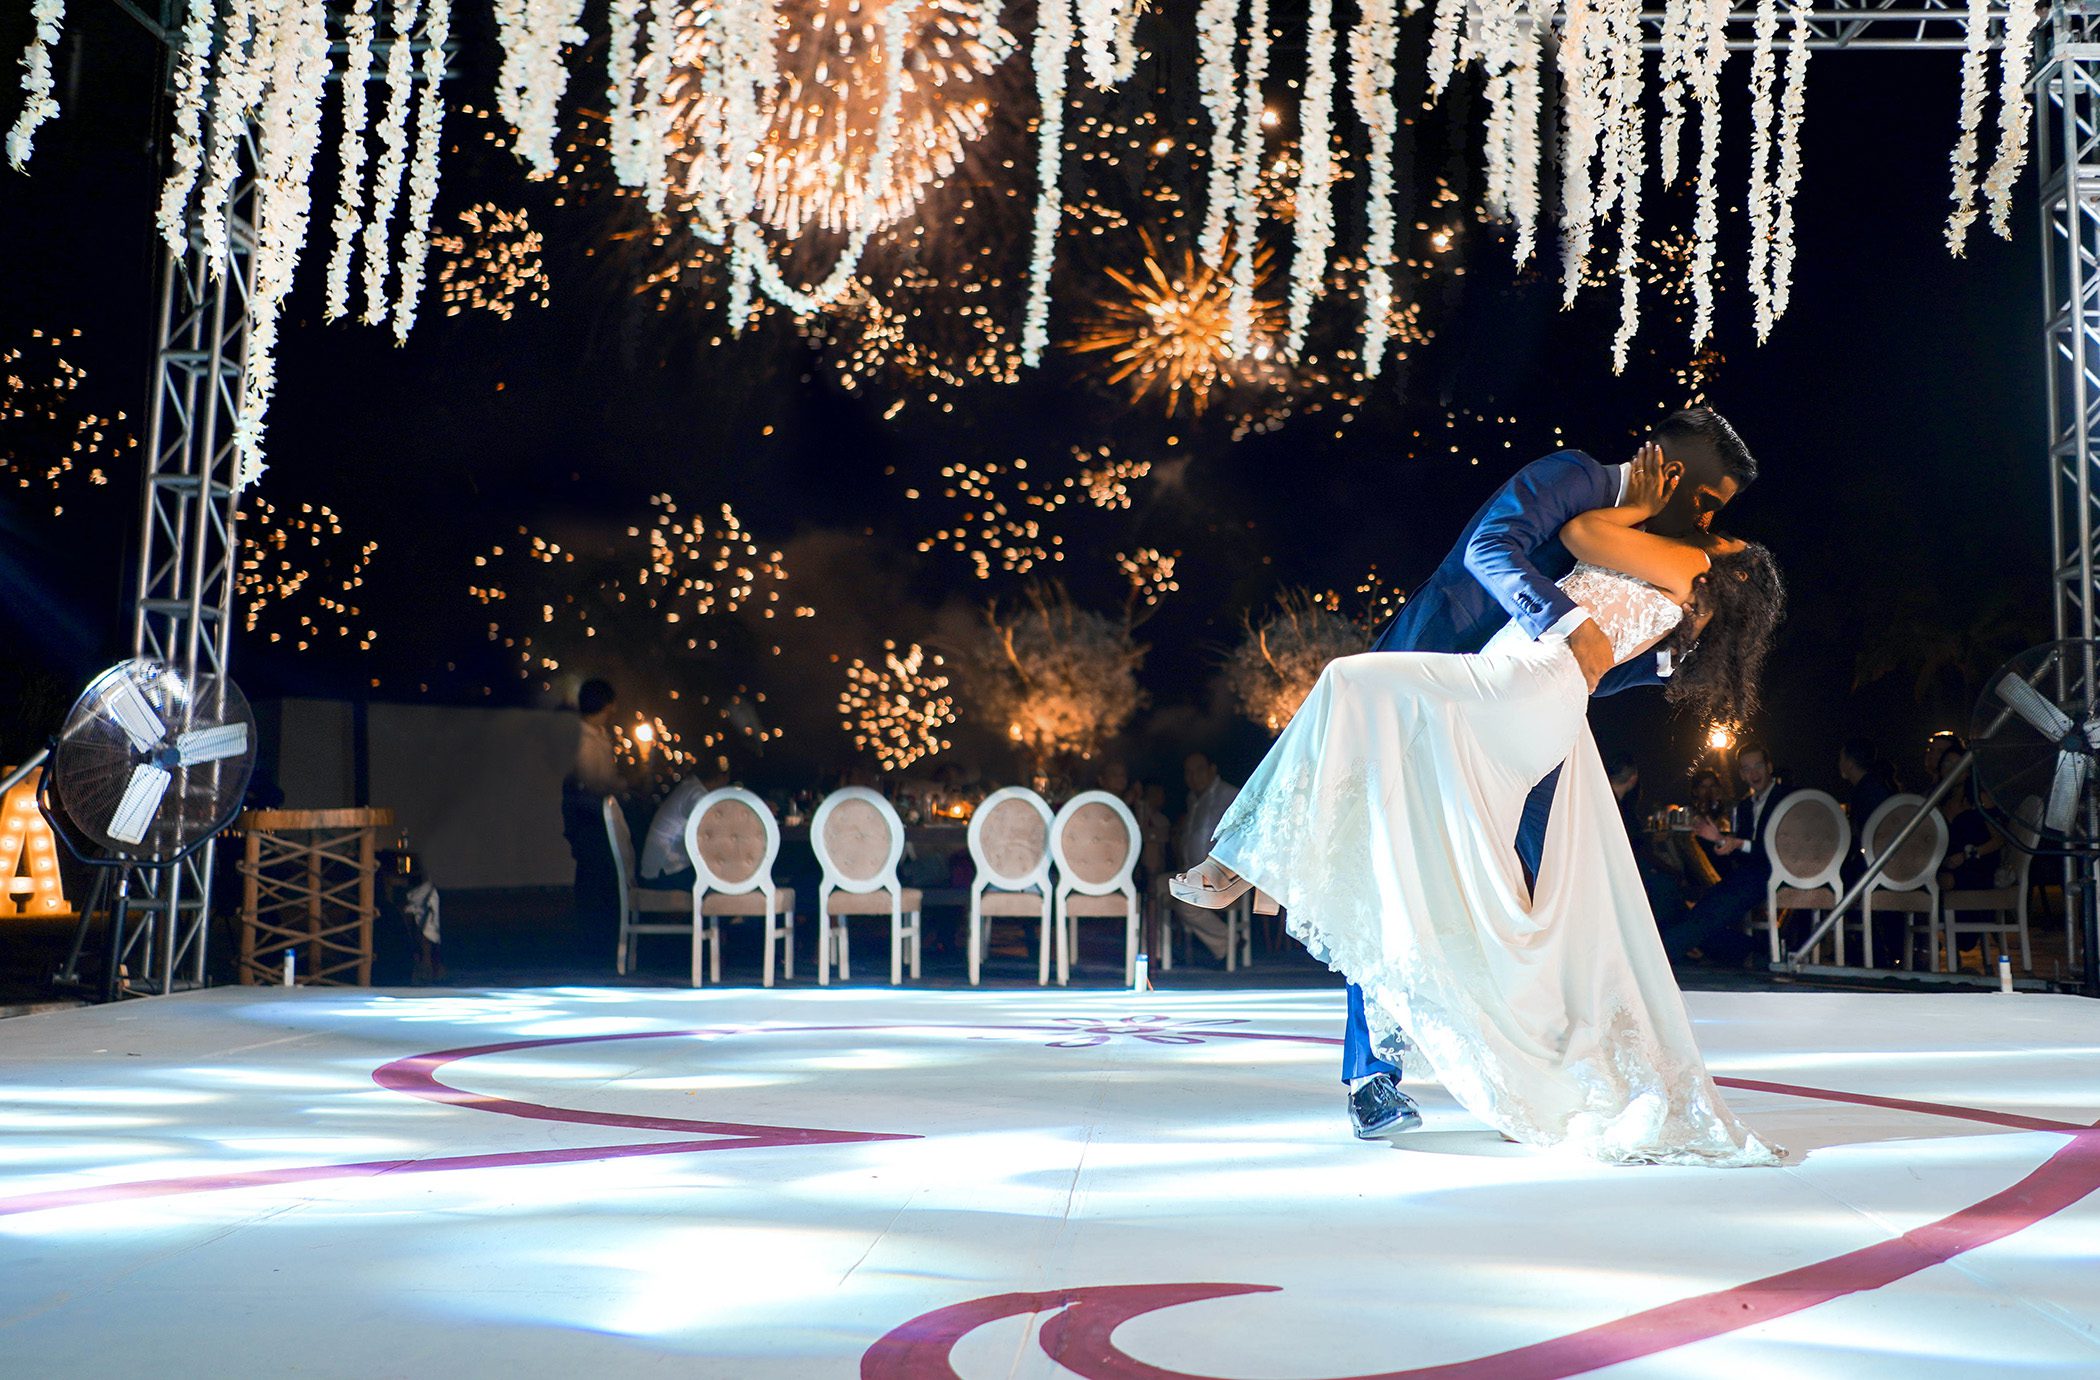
pixel 1209 796
pixel 1714 926
pixel 594 776
pixel 1868 781
pixel 665 865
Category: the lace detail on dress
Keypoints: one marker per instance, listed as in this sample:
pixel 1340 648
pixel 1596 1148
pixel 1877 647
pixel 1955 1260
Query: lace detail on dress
pixel 1633 613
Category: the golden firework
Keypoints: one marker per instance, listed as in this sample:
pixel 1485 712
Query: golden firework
pixel 1169 332
pixel 493 264
pixel 821 119
pixel 898 709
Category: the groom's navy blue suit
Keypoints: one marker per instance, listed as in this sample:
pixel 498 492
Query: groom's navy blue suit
pixel 1503 567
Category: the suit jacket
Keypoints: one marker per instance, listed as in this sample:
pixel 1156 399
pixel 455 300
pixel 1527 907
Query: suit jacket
pixel 1505 564
pixel 1746 825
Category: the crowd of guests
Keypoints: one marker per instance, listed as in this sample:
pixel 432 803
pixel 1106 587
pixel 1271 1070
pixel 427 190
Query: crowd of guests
pixel 1705 865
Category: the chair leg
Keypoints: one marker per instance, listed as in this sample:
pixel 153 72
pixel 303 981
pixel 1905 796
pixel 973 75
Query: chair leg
pixel 1772 923
pixel 2026 954
pixel 845 932
pixel 917 942
pixel 620 950
pixel 1065 935
pixel 896 948
pixel 1042 953
pixel 772 930
pixel 699 939
pixel 823 949
pixel 1130 946
pixel 787 946
pixel 714 953
pixel 976 945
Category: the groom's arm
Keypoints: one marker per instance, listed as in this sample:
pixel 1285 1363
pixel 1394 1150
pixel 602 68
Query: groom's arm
pixel 1527 512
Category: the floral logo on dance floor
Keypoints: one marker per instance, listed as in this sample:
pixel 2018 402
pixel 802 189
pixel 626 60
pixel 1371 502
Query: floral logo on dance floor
pixel 1090 1031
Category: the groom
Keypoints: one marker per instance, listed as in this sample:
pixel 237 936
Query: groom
pixel 1504 567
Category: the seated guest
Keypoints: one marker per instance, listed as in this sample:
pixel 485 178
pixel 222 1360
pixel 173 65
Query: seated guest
pixel 1973 847
pixel 1707 804
pixel 1714 926
pixel 664 864
pixel 1665 894
pixel 1868 782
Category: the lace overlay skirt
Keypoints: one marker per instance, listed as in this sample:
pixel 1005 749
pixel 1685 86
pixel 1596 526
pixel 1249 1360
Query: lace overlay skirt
pixel 1384 819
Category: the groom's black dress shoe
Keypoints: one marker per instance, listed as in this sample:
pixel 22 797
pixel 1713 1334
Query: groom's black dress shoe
pixel 1377 1108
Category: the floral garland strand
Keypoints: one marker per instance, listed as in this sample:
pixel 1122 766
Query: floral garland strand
pixel 48 18
pixel 1107 40
pixel 535 73
pixel 1052 57
pixel 1680 36
pixel 654 121
pixel 190 68
pixel 750 67
pixel 1217 81
pixel 1763 75
pixel 1246 229
pixel 1526 93
pixel 1974 60
pixel 402 16
pixel 622 114
pixel 1579 77
pixel 2015 61
pixel 288 136
pixel 423 174
pixel 1792 108
pixel 896 33
pixel 349 197
pixel 1445 38
pixel 1709 53
pixel 1489 34
pixel 244 62
pixel 1626 137
pixel 1314 217
pixel 1371 46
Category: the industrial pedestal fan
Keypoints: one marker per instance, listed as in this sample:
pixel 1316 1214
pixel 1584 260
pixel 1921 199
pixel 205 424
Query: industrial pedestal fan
pixel 149 766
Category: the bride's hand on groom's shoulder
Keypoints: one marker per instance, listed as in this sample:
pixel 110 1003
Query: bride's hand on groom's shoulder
pixel 1651 479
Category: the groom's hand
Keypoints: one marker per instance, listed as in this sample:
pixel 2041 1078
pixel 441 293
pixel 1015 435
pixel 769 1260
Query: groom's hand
pixel 1592 651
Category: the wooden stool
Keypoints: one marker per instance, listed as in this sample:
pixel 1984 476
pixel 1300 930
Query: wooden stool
pixel 308 878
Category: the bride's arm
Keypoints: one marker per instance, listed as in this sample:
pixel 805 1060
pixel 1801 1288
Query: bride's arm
pixel 1608 537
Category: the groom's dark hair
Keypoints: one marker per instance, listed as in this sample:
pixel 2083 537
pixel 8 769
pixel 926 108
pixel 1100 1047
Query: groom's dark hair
pixel 1704 427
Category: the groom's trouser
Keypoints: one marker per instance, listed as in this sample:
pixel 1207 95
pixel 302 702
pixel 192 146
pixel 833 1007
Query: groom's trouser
pixel 1358 1060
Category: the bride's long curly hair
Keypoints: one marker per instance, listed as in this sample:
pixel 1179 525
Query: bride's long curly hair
pixel 1717 674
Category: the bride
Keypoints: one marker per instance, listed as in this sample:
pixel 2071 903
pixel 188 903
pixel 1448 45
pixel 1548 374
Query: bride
pixel 1382 820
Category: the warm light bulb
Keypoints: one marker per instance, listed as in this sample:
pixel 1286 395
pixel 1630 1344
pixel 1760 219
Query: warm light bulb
pixel 1719 738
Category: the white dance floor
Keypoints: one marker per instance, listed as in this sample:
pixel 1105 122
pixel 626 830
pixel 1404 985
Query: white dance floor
pixel 923 1185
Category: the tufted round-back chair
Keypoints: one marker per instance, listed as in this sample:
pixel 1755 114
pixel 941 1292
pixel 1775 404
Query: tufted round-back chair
pixel 1806 842
pixel 732 840
pixel 1095 843
pixel 858 839
pixel 1010 845
pixel 1917 862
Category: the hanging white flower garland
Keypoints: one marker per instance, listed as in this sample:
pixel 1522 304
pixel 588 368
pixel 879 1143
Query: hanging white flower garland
pixel 623 113
pixel 1217 86
pixel 1975 60
pixel 535 73
pixel 47 18
pixel 1709 51
pixel 1246 227
pixel 1371 45
pixel 1580 78
pixel 358 25
pixel 1107 40
pixel 244 64
pixel 423 173
pixel 1791 110
pixel 1314 217
pixel 1625 140
pixel 288 134
pixel 191 64
pixel 1052 55
pixel 392 167
pixel 1764 71
pixel 2015 61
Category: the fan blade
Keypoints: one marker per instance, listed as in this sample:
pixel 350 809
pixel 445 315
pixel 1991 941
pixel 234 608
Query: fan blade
pixel 2066 790
pixel 211 744
pixel 131 710
pixel 2031 705
pixel 142 796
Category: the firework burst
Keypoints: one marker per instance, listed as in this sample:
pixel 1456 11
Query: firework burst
pixel 287 557
pixel 898 709
pixel 494 264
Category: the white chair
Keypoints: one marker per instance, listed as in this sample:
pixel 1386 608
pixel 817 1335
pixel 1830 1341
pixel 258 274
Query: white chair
pixel 1806 842
pixel 636 900
pixel 1094 842
pixel 2009 900
pixel 1010 844
pixel 732 840
pixel 858 839
pixel 1910 883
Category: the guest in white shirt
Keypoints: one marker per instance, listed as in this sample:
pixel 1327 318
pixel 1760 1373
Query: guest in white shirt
pixel 1209 796
pixel 664 864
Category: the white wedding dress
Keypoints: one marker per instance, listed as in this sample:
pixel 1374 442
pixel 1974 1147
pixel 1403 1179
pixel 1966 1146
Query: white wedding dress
pixel 1384 820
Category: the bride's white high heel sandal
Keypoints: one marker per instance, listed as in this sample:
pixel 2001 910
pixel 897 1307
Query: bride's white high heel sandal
pixel 1214 886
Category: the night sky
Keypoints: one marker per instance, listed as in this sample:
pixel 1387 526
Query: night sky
pixel 1898 413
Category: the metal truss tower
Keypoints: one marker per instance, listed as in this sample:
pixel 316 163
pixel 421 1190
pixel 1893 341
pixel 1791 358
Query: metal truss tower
pixel 2067 152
